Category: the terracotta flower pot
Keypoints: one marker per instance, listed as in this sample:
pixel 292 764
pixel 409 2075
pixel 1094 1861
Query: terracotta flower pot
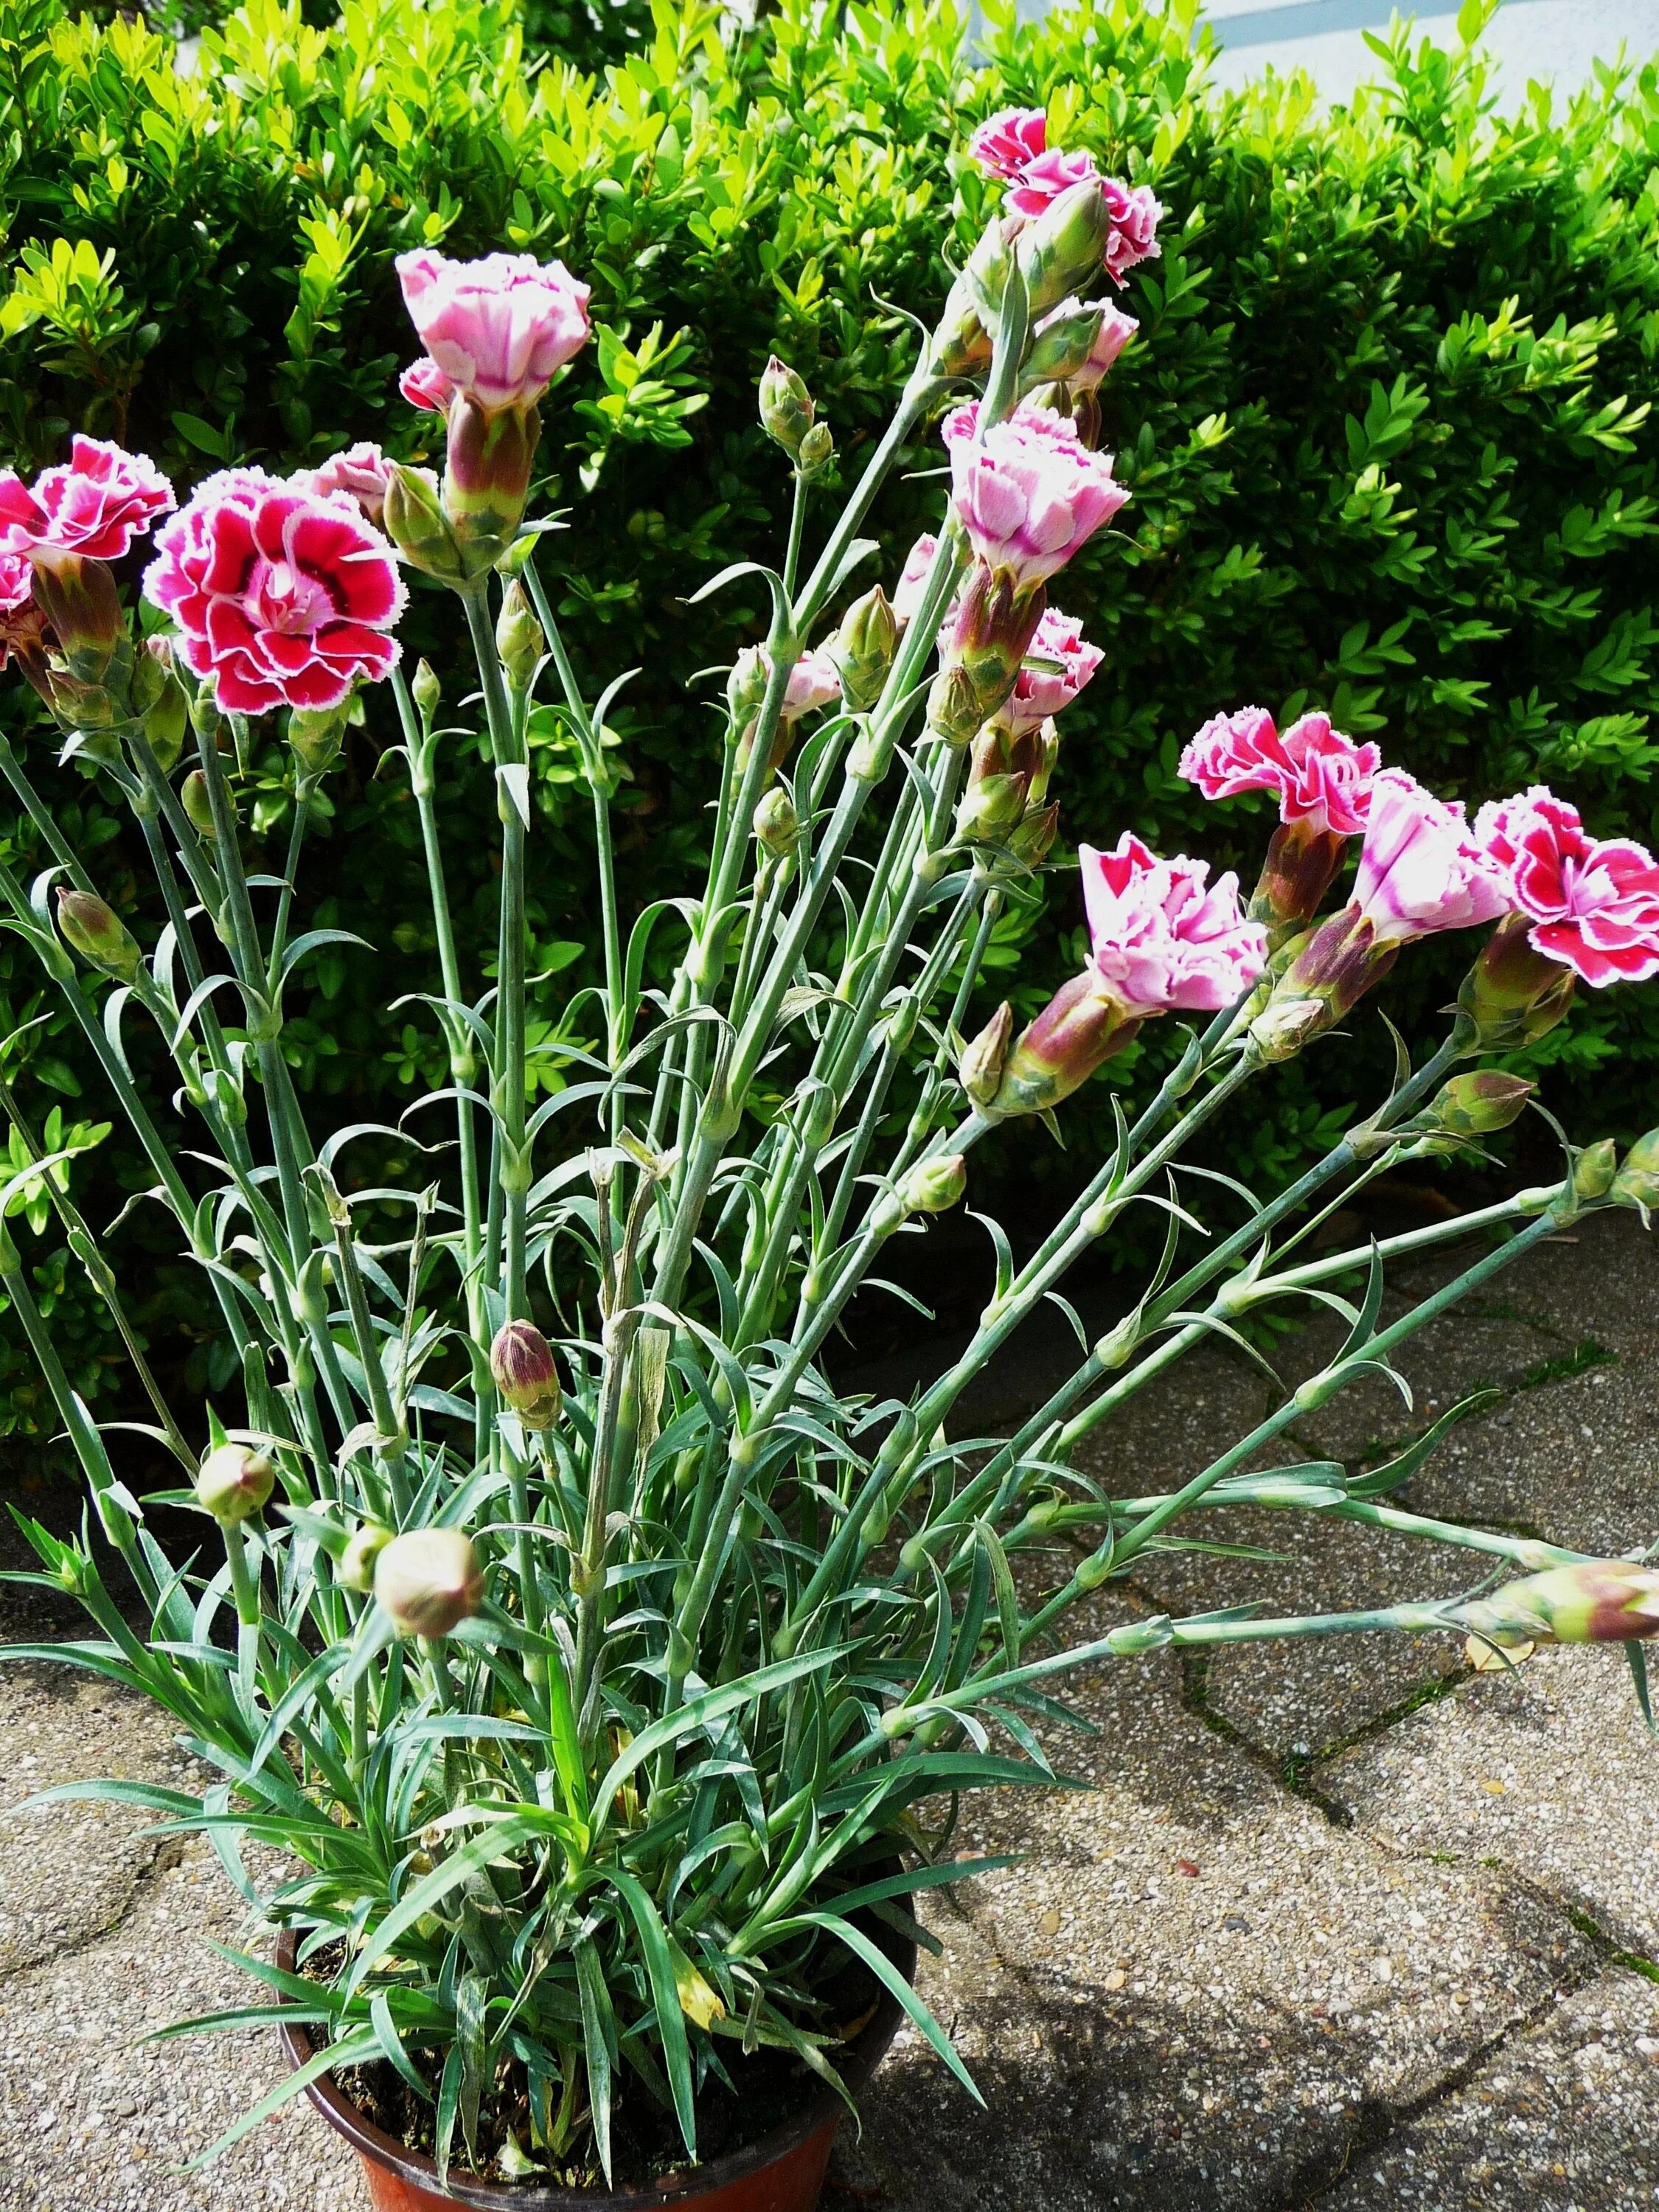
pixel 782 2172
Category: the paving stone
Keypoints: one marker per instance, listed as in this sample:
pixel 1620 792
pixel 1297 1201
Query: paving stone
pixel 1194 1989
pixel 93 2121
pixel 1560 2119
pixel 1549 1771
pixel 67 1872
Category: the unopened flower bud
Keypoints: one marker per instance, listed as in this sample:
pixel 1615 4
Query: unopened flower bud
pixel 198 807
pixel 1589 1601
pixel 777 827
pixel 981 1068
pixel 1637 1182
pixel 526 1374
pixel 1594 1171
pixel 356 1567
pixel 745 687
pixel 1514 994
pixel 519 638
pixel 862 649
pixel 1081 1028
pixel 817 450
pixel 151 671
pixel 1473 1104
pixel 233 1482
pixel 315 737
pixel 204 716
pixel 426 690
pixel 98 933
pixel 1062 347
pixel 168 717
pixel 429 1581
pixel 935 1186
pixel 787 409
pixel 415 523
pixel 1064 246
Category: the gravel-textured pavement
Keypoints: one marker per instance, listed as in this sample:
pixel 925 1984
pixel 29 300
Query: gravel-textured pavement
pixel 1345 1924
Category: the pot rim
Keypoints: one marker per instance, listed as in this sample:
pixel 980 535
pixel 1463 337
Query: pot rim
pixel 824 2107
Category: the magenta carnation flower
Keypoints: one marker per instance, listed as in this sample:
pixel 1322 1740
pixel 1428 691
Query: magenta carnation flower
pixel 424 384
pixel 1162 937
pixel 1595 902
pixel 497 328
pixel 1040 692
pixel 1420 870
pixel 1045 177
pixel 1031 494
pixel 1317 774
pixel 1006 141
pixel 360 473
pixel 1136 212
pixel 90 507
pixel 283 597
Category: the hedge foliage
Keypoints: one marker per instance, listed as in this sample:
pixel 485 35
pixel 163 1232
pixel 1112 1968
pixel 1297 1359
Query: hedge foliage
pixel 1384 422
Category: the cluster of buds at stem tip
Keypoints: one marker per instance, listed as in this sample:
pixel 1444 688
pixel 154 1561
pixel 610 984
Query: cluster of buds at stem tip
pixel 356 1568
pixel 1514 994
pixel 429 1581
pixel 233 1482
pixel 1056 253
pixel 1637 1182
pixel 1005 800
pixel 1470 1106
pixel 1590 1602
pixel 97 932
pixel 862 649
pixel 1081 1028
pixel 525 1373
pixel 788 412
pixel 980 656
pixel 1328 972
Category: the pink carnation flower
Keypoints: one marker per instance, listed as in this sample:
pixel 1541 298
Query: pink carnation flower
pixel 1594 901
pixel 1036 186
pixel 359 473
pixel 497 328
pixel 90 507
pixel 1420 871
pixel 1006 141
pixel 1040 692
pixel 16 582
pixel 814 681
pixel 1136 212
pixel 283 597
pixel 1318 776
pixel 1162 936
pixel 906 593
pixel 424 384
pixel 1031 494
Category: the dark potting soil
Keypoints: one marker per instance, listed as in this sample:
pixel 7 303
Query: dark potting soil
pixel 768 2088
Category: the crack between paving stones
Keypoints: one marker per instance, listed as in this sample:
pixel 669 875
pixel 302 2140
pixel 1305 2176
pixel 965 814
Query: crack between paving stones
pixel 163 1857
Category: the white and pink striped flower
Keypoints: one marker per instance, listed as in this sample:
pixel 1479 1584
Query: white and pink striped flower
pixel 1317 774
pixel 498 328
pixel 1594 901
pixel 1006 141
pixel 359 474
pixel 1039 692
pixel 424 384
pixel 1031 494
pixel 1162 936
pixel 283 598
pixel 90 508
pixel 1421 870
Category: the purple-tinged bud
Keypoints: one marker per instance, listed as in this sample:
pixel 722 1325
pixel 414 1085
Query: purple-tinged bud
pixel 1590 1602
pixel 198 807
pixel 426 690
pixel 417 525
pixel 486 478
pixel 1009 773
pixel 1331 972
pixel 1300 867
pixel 1594 1171
pixel 862 649
pixel 817 450
pixel 979 660
pixel 777 826
pixel 1637 1182
pixel 979 1070
pixel 519 638
pixel 429 1581
pixel 1081 1028
pixel 1474 1105
pixel 1033 840
pixel 787 411
pixel 98 933
pixel 233 1482
pixel 526 1374
pixel 356 1567
pixel 1514 994
pixel 1065 245
pixel 934 1186
pixel 79 599
pixel 315 736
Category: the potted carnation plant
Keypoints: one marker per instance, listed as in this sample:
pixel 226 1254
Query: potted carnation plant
pixel 587 1658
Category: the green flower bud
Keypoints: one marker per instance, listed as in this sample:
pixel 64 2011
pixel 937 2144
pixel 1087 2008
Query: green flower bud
pixel 168 718
pixel 786 408
pixel 1064 246
pixel 427 690
pixel 1059 352
pixel 316 736
pixel 97 933
pixel 199 808
pixel 777 828
pixel 429 1581
pixel 1589 1601
pixel 981 1068
pixel 525 1373
pixel 1514 994
pixel 1637 1182
pixel 151 668
pixel 817 450
pixel 355 1569
pixel 204 716
pixel 1594 1171
pixel 519 638
pixel 415 523
pixel 1472 1105
pixel 935 1186
pixel 745 687
pixel 862 649
pixel 233 1482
